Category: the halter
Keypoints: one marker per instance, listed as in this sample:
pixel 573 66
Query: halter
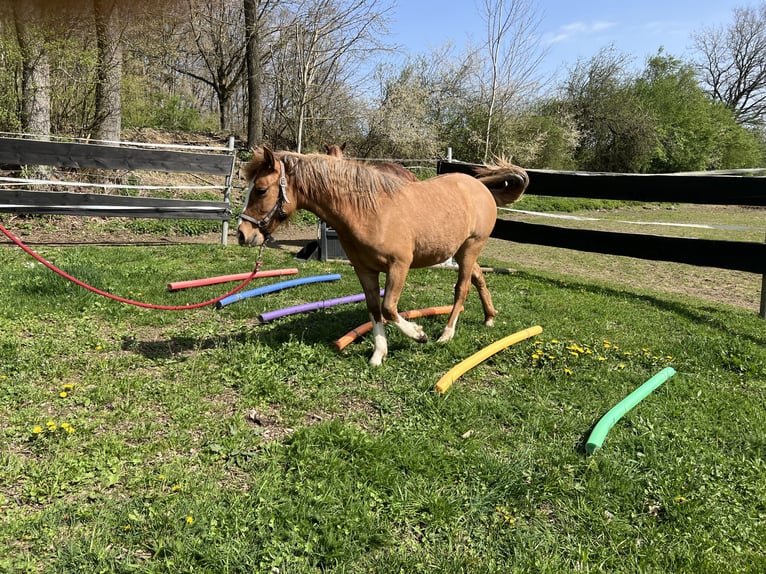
pixel 277 209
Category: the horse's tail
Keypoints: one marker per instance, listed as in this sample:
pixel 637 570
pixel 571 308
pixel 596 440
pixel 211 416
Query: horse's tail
pixel 506 181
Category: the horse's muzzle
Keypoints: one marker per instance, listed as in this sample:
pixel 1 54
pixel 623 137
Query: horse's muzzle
pixel 254 239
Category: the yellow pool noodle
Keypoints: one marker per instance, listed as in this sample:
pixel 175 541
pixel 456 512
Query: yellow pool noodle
pixel 452 375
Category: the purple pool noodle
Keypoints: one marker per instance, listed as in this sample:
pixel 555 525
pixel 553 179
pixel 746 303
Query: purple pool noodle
pixel 271 315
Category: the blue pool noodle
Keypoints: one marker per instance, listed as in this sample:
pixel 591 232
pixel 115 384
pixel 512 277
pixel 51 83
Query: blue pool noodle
pixel 275 287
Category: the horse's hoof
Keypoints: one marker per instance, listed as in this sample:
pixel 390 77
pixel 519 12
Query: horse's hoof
pixel 447 335
pixel 490 322
pixel 376 361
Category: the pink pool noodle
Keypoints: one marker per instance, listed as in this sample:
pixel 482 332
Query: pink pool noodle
pixel 271 315
pixel 224 278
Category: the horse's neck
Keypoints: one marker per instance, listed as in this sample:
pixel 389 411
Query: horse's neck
pixel 342 220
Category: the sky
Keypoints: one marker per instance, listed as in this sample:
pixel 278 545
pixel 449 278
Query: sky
pixel 569 29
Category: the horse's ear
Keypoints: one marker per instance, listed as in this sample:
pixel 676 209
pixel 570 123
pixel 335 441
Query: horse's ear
pixel 327 148
pixel 343 146
pixel 268 157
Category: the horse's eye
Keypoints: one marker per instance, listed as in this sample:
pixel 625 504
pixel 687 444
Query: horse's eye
pixel 260 190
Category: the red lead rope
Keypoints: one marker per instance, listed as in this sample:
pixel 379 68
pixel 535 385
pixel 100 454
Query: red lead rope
pixel 76 281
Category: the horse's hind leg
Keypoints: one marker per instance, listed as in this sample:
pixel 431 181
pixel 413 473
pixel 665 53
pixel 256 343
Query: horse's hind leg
pixel 468 272
pixel 477 278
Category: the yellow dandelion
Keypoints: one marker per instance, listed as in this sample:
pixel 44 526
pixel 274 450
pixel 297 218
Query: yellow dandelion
pixel 189 519
pixel 126 527
pixel 161 477
pixel 668 357
pixel 535 356
pixel 680 499
pixel 63 394
pixel 51 425
pixel 68 387
pixel 602 358
pixel 574 353
pixel 621 366
pixel 98 347
pixel 552 357
pixel 37 429
pixel 568 371
pixel 175 488
pixel 554 341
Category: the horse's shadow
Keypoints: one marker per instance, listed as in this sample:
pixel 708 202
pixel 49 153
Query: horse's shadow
pixel 319 327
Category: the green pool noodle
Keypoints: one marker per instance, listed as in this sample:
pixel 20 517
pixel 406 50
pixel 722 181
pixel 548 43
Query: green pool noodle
pixel 603 426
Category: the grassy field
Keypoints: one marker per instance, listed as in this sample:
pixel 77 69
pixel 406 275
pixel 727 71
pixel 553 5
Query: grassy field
pixel 203 441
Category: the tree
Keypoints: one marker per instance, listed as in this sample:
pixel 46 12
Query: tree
pixel 616 131
pixel 325 44
pixel 108 113
pixel 254 12
pixel 733 63
pixel 513 54
pixel 30 23
pixel 692 131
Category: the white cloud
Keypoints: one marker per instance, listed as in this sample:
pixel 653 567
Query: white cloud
pixel 577 29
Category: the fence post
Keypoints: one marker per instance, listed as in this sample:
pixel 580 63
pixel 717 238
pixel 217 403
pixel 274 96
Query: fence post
pixel 763 297
pixel 227 193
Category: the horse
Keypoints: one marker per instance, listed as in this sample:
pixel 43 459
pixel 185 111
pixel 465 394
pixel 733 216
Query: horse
pixel 384 224
pixel 334 150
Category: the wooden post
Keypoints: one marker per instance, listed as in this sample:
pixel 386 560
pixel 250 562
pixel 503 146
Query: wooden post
pixel 763 297
pixel 227 193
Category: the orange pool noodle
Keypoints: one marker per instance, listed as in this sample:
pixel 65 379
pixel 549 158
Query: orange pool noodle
pixel 353 334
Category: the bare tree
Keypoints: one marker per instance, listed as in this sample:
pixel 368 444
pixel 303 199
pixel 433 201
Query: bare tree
pixel 326 42
pixel 733 63
pixel 513 55
pixel 30 23
pixel 206 43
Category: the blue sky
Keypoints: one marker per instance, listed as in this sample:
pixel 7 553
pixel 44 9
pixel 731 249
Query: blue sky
pixel 569 29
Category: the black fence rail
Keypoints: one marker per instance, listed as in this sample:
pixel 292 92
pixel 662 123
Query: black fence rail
pixel 695 189
pixel 17 152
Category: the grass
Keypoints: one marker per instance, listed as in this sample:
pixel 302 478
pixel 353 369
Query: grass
pixel 142 441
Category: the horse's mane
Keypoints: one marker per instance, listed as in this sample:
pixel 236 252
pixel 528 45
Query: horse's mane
pixel 322 178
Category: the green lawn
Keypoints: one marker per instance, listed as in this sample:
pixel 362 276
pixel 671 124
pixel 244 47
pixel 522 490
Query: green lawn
pixel 202 441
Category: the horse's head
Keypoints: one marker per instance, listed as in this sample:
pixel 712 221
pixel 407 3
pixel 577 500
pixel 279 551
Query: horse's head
pixel 267 202
pixel 335 150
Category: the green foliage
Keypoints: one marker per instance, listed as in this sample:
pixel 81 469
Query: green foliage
pixel 9 89
pixel 616 131
pixel 692 131
pixel 203 441
pixel 152 109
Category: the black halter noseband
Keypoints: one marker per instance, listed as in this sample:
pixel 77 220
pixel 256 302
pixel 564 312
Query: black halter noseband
pixel 278 208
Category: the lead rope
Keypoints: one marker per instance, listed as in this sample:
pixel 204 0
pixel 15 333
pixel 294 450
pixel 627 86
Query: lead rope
pixel 76 281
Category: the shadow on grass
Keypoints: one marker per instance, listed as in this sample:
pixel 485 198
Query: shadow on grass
pixel 319 327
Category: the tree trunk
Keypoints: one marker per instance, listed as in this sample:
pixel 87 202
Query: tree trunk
pixel 254 75
pixel 108 121
pixel 35 74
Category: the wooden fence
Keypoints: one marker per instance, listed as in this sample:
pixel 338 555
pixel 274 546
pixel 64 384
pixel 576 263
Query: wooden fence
pixel 16 152
pixel 696 189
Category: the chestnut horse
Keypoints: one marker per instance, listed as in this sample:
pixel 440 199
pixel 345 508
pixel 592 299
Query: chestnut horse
pixel 384 224
pixel 392 168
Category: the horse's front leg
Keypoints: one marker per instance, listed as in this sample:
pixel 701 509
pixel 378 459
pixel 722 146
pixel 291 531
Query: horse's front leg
pixel 395 278
pixel 371 287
